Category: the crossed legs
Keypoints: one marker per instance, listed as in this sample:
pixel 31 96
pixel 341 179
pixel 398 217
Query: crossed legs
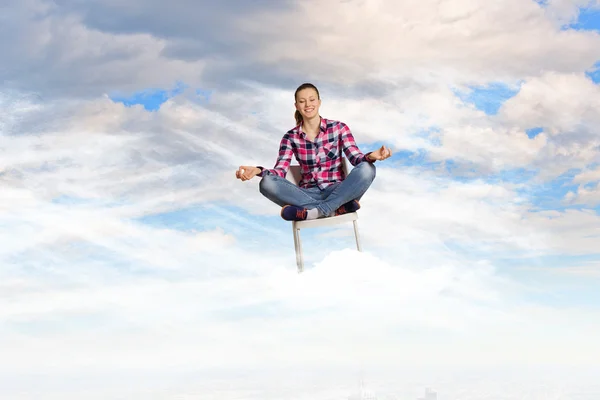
pixel 283 192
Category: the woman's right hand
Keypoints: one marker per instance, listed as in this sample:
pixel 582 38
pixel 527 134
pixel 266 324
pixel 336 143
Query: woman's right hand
pixel 245 173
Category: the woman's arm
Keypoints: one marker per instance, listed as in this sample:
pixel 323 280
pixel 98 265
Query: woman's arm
pixel 282 165
pixel 353 153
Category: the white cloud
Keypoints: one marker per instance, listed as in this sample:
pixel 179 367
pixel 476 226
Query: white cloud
pixel 416 207
pixel 587 196
pixel 588 176
pixel 566 106
pixel 513 39
pixel 559 102
pixel 488 148
pixel 568 232
pixel 587 192
pixel 350 308
pixel 586 270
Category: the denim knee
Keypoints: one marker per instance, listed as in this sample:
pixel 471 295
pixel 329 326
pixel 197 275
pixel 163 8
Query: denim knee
pixel 366 171
pixel 267 185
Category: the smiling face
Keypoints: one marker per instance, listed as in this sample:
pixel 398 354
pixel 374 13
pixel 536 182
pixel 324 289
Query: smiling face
pixel 308 103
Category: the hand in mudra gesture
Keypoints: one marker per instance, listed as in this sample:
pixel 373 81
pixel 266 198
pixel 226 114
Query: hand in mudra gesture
pixel 381 154
pixel 245 173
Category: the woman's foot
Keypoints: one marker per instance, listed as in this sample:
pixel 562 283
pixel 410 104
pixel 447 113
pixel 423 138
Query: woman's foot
pixel 294 213
pixel 349 207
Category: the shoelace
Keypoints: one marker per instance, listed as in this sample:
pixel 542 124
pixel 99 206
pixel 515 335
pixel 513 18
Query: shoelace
pixel 301 214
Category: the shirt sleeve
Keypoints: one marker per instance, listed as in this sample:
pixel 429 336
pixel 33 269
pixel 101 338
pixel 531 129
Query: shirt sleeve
pixel 353 153
pixel 282 165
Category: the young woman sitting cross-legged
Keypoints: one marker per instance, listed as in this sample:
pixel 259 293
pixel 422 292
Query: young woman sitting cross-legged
pixel 317 143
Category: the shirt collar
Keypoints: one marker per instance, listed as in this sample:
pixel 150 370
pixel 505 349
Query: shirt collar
pixel 323 127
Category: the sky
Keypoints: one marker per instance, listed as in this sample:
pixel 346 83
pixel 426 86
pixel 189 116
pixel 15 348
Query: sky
pixel 134 265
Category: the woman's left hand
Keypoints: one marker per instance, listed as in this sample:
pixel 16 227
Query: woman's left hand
pixel 380 154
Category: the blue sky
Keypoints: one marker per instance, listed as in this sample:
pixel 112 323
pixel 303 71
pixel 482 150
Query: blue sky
pixel 128 239
pixel 587 19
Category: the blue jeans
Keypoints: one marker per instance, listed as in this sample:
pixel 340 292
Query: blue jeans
pixel 283 192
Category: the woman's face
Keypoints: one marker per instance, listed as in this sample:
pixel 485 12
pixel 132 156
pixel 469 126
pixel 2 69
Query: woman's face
pixel 308 103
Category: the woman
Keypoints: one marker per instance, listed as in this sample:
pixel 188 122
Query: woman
pixel 317 143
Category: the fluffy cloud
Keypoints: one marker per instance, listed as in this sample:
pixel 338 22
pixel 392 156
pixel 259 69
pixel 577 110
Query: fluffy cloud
pixel 76 48
pixel 53 53
pixel 589 196
pixel 566 107
pixel 431 38
pixel 588 176
pixel 587 191
pixel 272 309
pixel 351 308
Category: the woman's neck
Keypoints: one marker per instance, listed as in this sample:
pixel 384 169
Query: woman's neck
pixel 312 126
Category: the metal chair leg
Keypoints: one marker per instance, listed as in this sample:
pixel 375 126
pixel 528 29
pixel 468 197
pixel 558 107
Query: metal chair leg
pixel 357 236
pixel 298 248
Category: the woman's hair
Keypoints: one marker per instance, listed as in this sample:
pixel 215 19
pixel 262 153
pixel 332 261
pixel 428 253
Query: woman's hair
pixel 297 114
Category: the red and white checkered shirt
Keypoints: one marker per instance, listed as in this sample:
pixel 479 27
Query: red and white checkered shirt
pixel 320 160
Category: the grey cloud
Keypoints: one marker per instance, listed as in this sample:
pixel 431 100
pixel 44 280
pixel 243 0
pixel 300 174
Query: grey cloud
pixel 90 47
pixel 82 48
pixel 57 57
pixel 86 48
pixel 196 19
pixel 188 49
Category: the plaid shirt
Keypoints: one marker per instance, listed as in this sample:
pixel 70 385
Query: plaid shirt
pixel 320 160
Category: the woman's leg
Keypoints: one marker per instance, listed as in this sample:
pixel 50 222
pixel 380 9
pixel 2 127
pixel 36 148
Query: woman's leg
pixel 352 188
pixel 283 192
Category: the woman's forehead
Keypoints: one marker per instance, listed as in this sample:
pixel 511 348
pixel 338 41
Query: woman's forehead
pixel 305 93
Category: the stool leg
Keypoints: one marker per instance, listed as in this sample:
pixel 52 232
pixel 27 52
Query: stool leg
pixel 357 236
pixel 298 248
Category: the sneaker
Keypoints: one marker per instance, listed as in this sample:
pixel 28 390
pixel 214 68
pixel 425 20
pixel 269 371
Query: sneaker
pixel 293 213
pixel 349 207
